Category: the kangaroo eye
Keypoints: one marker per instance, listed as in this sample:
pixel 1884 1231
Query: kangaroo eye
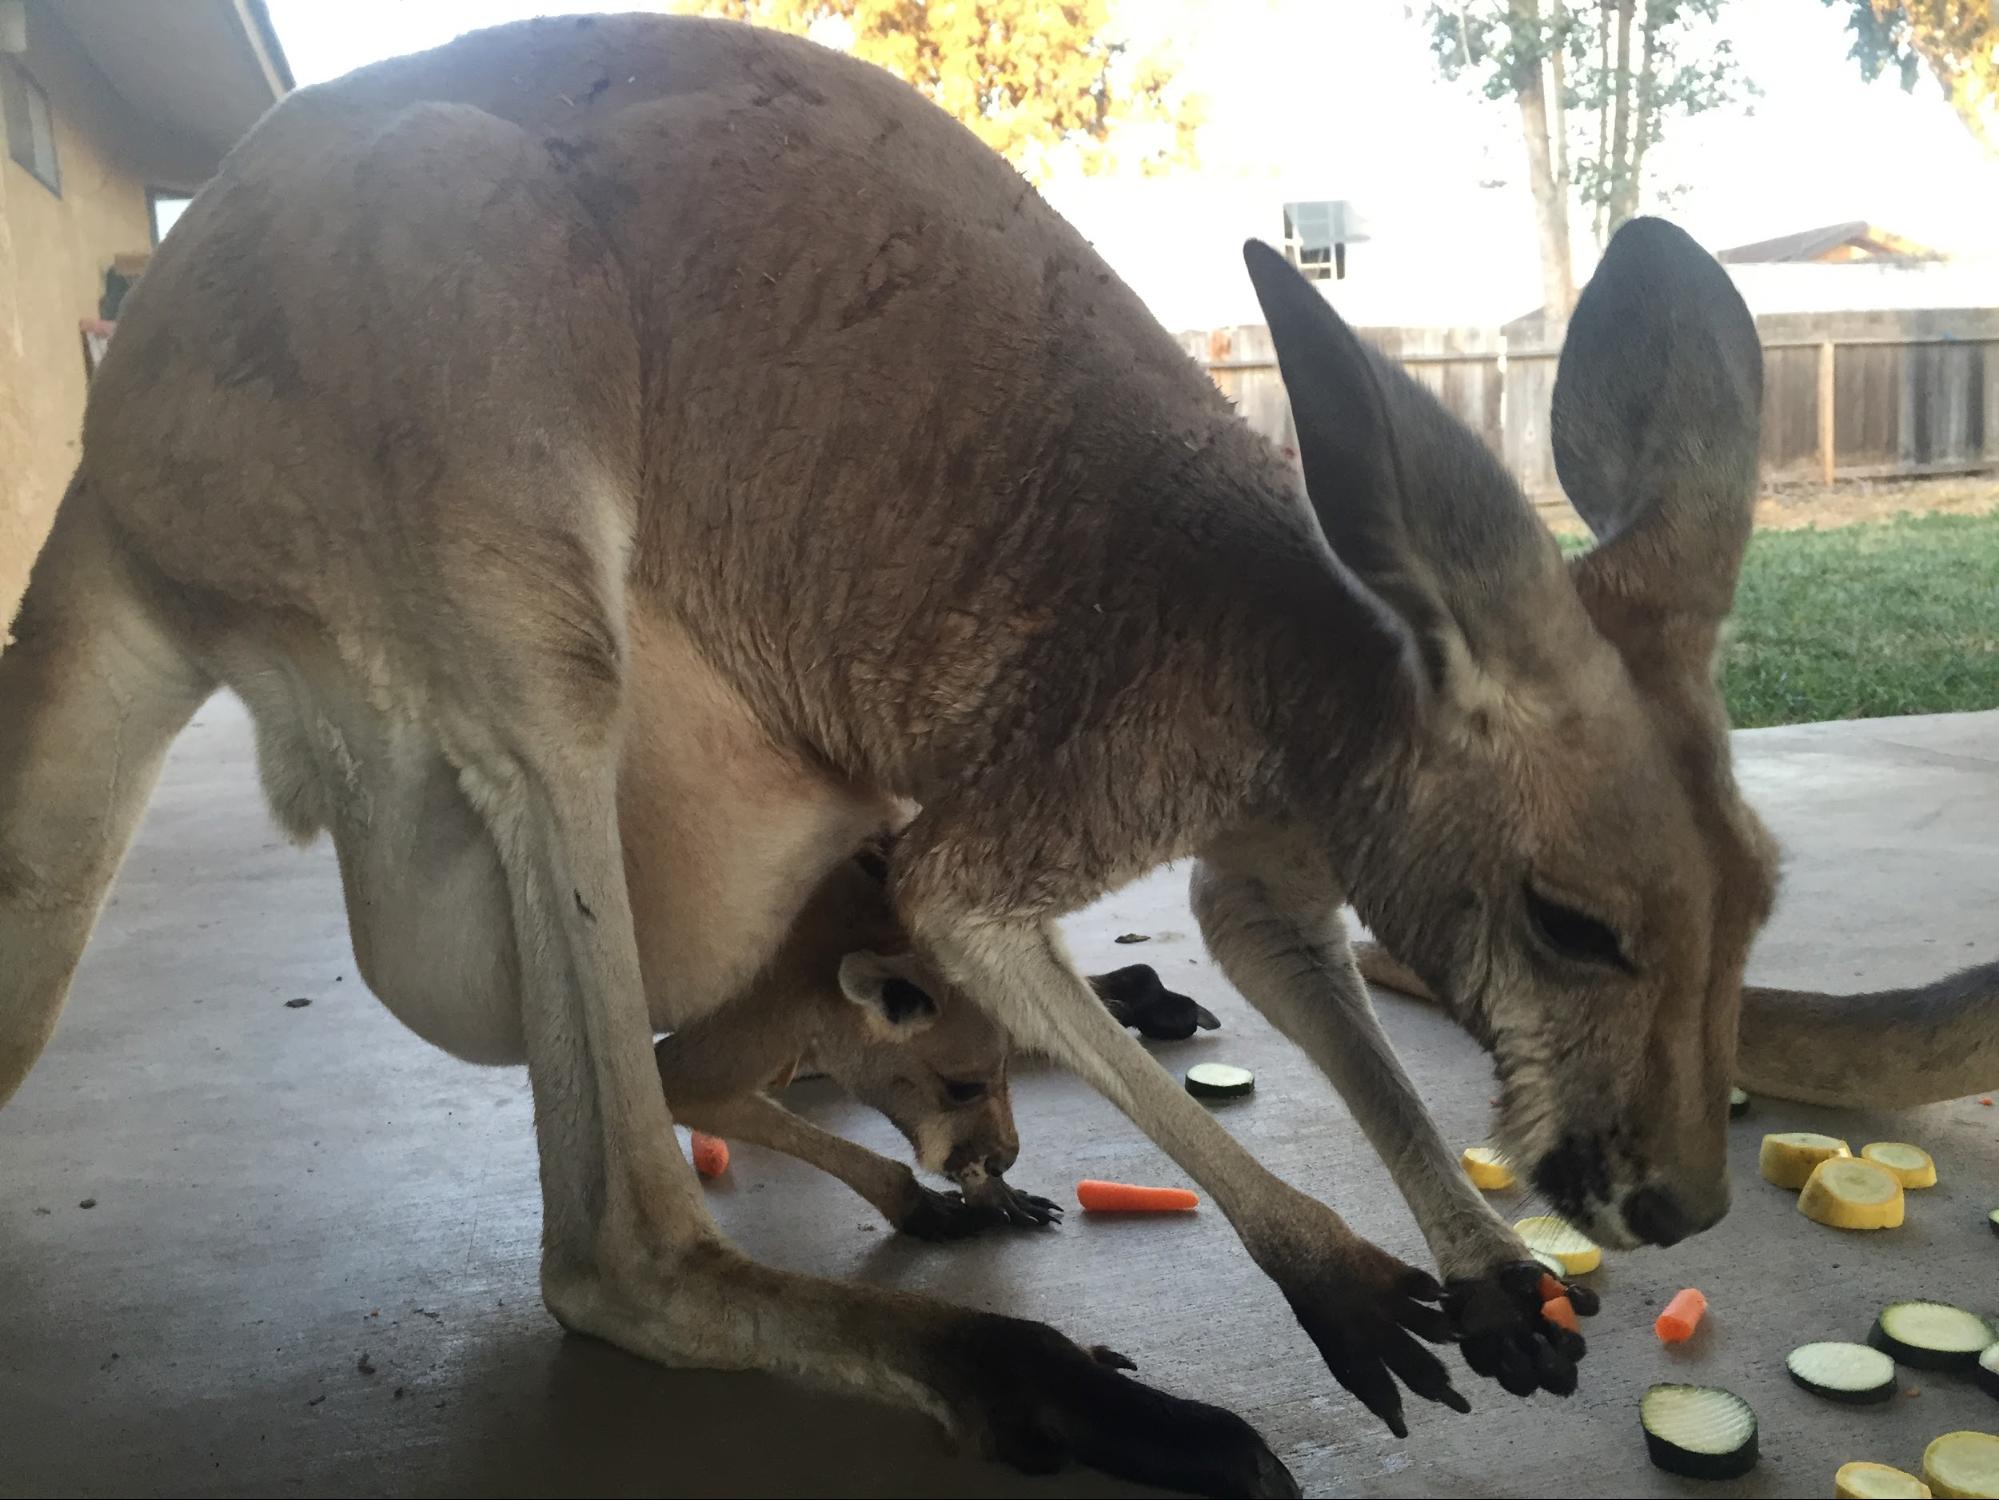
pixel 969 1091
pixel 1573 934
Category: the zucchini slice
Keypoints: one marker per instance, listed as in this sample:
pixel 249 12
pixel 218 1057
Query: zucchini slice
pixel 1738 1104
pixel 1698 1431
pixel 1852 1373
pixel 1578 1253
pixel 1931 1335
pixel 1863 1481
pixel 1787 1159
pixel 1963 1466
pixel 1911 1164
pixel 1992 1221
pixel 1219 1081
pixel 1487 1169
pixel 1988 1371
pixel 1848 1193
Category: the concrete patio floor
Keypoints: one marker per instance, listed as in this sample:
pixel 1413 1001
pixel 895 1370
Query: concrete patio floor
pixel 310 1267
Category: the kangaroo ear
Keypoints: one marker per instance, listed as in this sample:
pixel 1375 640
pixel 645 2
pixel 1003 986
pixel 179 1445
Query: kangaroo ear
pixel 883 986
pixel 1407 496
pixel 1656 422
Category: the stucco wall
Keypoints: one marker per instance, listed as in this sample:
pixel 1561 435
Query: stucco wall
pixel 53 254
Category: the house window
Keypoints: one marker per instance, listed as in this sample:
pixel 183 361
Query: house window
pixel 31 137
pixel 1316 236
pixel 166 208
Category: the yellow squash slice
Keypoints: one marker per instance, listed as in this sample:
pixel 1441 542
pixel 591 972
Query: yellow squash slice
pixel 1861 1481
pixel 1911 1165
pixel 1848 1193
pixel 1788 1159
pixel 1578 1253
pixel 1963 1466
pixel 1487 1169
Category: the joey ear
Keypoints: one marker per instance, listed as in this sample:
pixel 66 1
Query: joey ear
pixel 1407 496
pixel 882 985
pixel 1656 422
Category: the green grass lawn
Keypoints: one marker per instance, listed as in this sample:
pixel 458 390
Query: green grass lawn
pixel 1896 617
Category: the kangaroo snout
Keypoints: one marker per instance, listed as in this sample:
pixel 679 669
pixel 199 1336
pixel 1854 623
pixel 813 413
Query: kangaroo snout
pixel 1660 1216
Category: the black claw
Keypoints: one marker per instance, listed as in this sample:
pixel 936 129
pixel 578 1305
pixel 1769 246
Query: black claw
pixel 1371 1386
pixel 1431 1323
pixel 1586 1302
pixel 1482 1355
pixel 1111 1358
pixel 1422 1286
pixel 1420 1370
pixel 1555 1372
pixel 1516 1372
pixel 1041 1401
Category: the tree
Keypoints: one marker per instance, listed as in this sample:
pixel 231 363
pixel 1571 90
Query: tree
pixel 1957 40
pixel 1040 82
pixel 1594 84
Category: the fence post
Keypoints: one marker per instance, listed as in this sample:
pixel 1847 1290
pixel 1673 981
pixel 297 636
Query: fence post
pixel 1828 436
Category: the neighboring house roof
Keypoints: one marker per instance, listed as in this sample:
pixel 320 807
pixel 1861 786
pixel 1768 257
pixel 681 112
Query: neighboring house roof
pixel 1855 240
pixel 204 69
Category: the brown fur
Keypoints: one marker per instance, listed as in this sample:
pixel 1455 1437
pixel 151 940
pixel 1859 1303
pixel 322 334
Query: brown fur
pixel 616 460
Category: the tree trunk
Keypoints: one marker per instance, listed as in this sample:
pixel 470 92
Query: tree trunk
pixel 1551 205
pixel 1619 157
pixel 1558 108
pixel 1600 208
pixel 1632 178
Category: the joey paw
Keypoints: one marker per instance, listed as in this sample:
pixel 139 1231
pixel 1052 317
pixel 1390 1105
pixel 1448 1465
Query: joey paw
pixel 1008 1205
pixel 930 1215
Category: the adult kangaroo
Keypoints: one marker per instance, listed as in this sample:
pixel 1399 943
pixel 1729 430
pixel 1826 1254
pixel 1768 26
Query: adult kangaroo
pixel 617 460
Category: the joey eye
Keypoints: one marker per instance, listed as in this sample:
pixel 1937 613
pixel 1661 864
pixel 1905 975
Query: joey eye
pixel 970 1091
pixel 1573 934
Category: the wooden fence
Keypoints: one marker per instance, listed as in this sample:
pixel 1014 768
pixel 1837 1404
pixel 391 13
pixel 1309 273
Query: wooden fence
pixel 1845 395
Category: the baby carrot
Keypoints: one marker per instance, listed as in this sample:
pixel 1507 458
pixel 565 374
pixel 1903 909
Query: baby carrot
pixel 1550 1288
pixel 1124 1198
pixel 1682 1316
pixel 1562 1313
pixel 710 1153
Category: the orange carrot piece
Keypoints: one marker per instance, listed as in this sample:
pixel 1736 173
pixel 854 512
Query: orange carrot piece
pixel 1550 1288
pixel 1124 1198
pixel 1682 1316
pixel 710 1153
pixel 1562 1313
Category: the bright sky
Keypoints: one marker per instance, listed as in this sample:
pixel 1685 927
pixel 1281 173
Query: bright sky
pixel 1339 98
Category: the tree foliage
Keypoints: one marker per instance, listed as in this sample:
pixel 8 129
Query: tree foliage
pixel 1956 40
pixel 1596 83
pixel 1627 71
pixel 1041 82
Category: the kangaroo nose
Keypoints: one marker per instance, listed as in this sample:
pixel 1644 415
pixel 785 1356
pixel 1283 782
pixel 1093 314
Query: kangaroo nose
pixel 1657 1217
pixel 998 1161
